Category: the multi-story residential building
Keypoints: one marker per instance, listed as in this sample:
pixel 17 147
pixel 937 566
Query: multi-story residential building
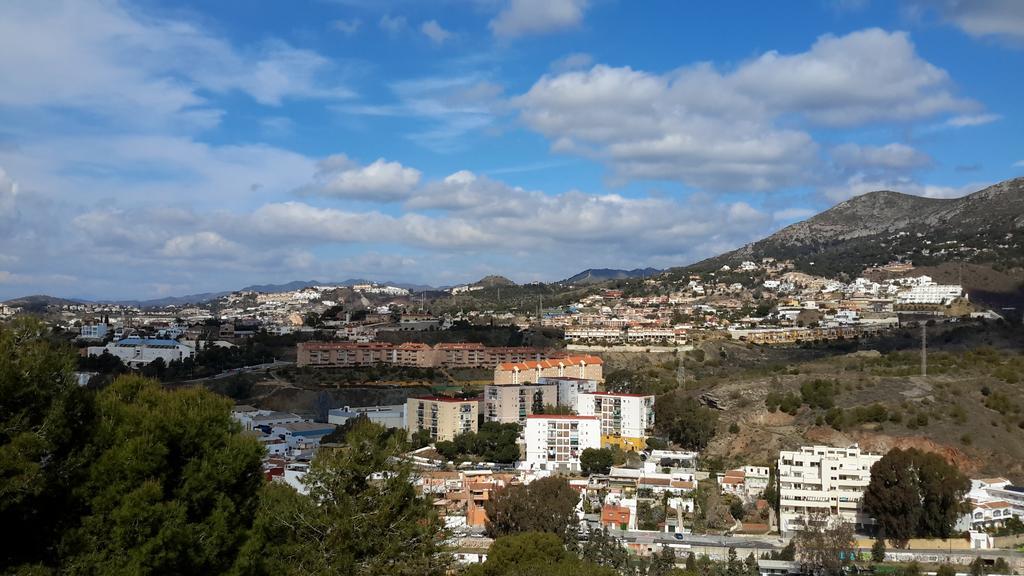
pixel 137 352
pixel 512 403
pixel 93 331
pixel 444 417
pixel 585 366
pixel 825 479
pixel 447 355
pixel 626 419
pixel 555 441
pixel 568 388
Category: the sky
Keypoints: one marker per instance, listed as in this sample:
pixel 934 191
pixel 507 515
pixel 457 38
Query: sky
pixel 151 149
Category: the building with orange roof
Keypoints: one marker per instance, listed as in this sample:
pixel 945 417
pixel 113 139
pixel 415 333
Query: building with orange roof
pixel 584 366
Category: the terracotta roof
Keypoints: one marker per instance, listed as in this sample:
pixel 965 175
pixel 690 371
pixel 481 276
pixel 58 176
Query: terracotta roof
pixel 994 505
pixel 552 363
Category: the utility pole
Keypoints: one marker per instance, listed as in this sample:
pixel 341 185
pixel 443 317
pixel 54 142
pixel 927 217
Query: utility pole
pixel 924 350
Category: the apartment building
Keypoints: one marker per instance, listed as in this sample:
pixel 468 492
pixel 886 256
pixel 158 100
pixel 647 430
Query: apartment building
pixel 626 419
pixel 413 354
pixel 568 388
pixel 137 352
pixel 512 403
pixel 444 417
pixel 826 479
pixel 555 442
pixel 584 366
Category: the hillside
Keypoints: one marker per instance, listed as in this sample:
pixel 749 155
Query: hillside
pixel 985 227
pixel 597 275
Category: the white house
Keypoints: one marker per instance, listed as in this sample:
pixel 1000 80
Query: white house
pixel 626 419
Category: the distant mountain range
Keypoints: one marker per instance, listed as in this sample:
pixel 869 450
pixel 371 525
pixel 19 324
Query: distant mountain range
pixel 597 275
pixel 878 227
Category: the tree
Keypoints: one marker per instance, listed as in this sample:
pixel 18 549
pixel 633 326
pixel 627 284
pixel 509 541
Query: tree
pixel 750 566
pixel 172 486
pixel 878 550
pixel 596 461
pixel 684 420
pixel 45 424
pixel 362 516
pixel 533 553
pixel 663 563
pixel 824 545
pixel 977 568
pixel 914 493
pixel 945 570
pixel 545 505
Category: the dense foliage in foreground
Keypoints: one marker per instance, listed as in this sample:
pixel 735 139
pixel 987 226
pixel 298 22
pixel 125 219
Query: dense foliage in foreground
pixel 138 479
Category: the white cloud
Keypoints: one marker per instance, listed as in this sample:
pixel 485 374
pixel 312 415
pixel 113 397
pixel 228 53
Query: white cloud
pixel 972 120
pixel 142 68
pixel 792 214
pixel 1018 164
pixel 893 156
pixel 574 61
pixel 998 18
pixel 347 27
pixel 720 130
pixel 438 35
pixel 8 194
pixel 450 107
pixel 861 184
pixel 379 181
pixel 525 17
pixel 200 245
pixel 392 24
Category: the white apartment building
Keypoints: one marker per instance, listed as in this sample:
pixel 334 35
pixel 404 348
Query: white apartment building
pixel 626 419
pixel 137 352
pixel 555 442
pixel 567 388
pixel 823 478
pixel 93 332
pixel 930 294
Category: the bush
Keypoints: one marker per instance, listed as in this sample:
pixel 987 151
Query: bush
pixel 734 428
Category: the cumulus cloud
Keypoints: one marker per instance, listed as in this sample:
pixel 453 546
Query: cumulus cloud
pixel 860 184
pixel 574 61
pixel 997 18
pixel 431 29
pixel 140 68
pixel 525 17
pixel 380 181
pixel 893 156
pixel 200 245
pixel 723 130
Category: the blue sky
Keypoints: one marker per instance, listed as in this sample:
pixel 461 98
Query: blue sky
pixel 151 149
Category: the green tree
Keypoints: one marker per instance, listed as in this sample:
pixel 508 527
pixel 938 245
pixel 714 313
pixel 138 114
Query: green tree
pixel 533 554
pixel 915 494
pixel 172 486
pixel 362 516
pixel 878 550
pixel 684 420
pixel 545 505
pixel 945 570
pixel 977 568
pixel 45 424
pixel 750 566
pixel 596 461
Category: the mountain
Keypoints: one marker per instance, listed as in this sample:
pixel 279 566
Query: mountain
pixel 494 280
pixel 986 227
pixel 595 275
pixel 39 302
